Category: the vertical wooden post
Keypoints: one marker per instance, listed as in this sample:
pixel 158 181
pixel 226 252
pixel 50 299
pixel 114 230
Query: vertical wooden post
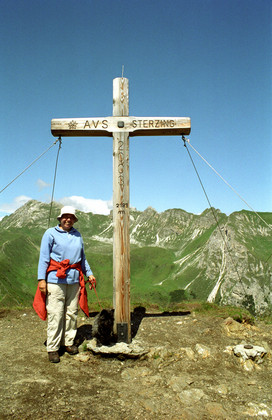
pixel 121 241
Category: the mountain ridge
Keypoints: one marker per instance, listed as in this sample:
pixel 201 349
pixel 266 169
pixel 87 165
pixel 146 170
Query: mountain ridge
pixel 175 255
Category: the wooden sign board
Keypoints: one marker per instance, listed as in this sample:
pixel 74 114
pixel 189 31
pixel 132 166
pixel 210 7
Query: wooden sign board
pixel 136 126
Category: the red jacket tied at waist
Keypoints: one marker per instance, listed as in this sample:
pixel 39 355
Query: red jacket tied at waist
pixel 39 303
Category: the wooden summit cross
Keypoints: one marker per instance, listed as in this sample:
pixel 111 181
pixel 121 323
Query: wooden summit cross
pixel 120 126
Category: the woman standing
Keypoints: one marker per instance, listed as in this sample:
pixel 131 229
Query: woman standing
pixel 61 267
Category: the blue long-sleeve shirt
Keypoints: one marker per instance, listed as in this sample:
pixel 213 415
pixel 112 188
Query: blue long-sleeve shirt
pixel 59 245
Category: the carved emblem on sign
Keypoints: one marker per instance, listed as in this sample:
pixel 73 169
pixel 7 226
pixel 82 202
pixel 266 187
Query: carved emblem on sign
pixel 72 125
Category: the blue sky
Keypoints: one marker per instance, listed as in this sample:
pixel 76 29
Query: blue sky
pixel 209 60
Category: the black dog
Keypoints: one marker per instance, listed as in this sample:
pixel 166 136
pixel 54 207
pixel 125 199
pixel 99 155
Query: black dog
pixel 103 327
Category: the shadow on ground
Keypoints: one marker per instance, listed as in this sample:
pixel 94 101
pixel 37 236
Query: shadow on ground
pixel 103 326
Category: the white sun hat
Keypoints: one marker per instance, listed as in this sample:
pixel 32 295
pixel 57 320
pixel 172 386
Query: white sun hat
pixel 67 210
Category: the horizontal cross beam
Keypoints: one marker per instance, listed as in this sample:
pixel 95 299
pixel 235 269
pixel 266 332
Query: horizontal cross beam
pixel 135 126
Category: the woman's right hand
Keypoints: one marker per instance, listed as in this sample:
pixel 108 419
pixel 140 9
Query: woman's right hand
pixel 43 286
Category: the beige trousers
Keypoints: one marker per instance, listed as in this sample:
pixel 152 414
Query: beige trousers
pixel 62 309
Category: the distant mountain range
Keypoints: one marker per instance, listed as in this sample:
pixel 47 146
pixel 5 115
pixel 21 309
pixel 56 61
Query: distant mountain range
pixel 175 255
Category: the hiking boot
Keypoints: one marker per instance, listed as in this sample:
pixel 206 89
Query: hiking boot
pixel 53 357
pixel 71 350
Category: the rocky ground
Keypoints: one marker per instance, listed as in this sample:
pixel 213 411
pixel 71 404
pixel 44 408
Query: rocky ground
pixel 189 372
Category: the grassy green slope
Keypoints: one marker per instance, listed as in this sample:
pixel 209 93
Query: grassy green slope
pixel 18 262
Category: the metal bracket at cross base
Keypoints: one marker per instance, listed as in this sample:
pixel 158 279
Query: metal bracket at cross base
pixel 122 332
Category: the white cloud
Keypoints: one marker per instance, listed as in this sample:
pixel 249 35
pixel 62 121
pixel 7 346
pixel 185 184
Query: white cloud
pixel 42 184
pixel 19 201
pixel 87 205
